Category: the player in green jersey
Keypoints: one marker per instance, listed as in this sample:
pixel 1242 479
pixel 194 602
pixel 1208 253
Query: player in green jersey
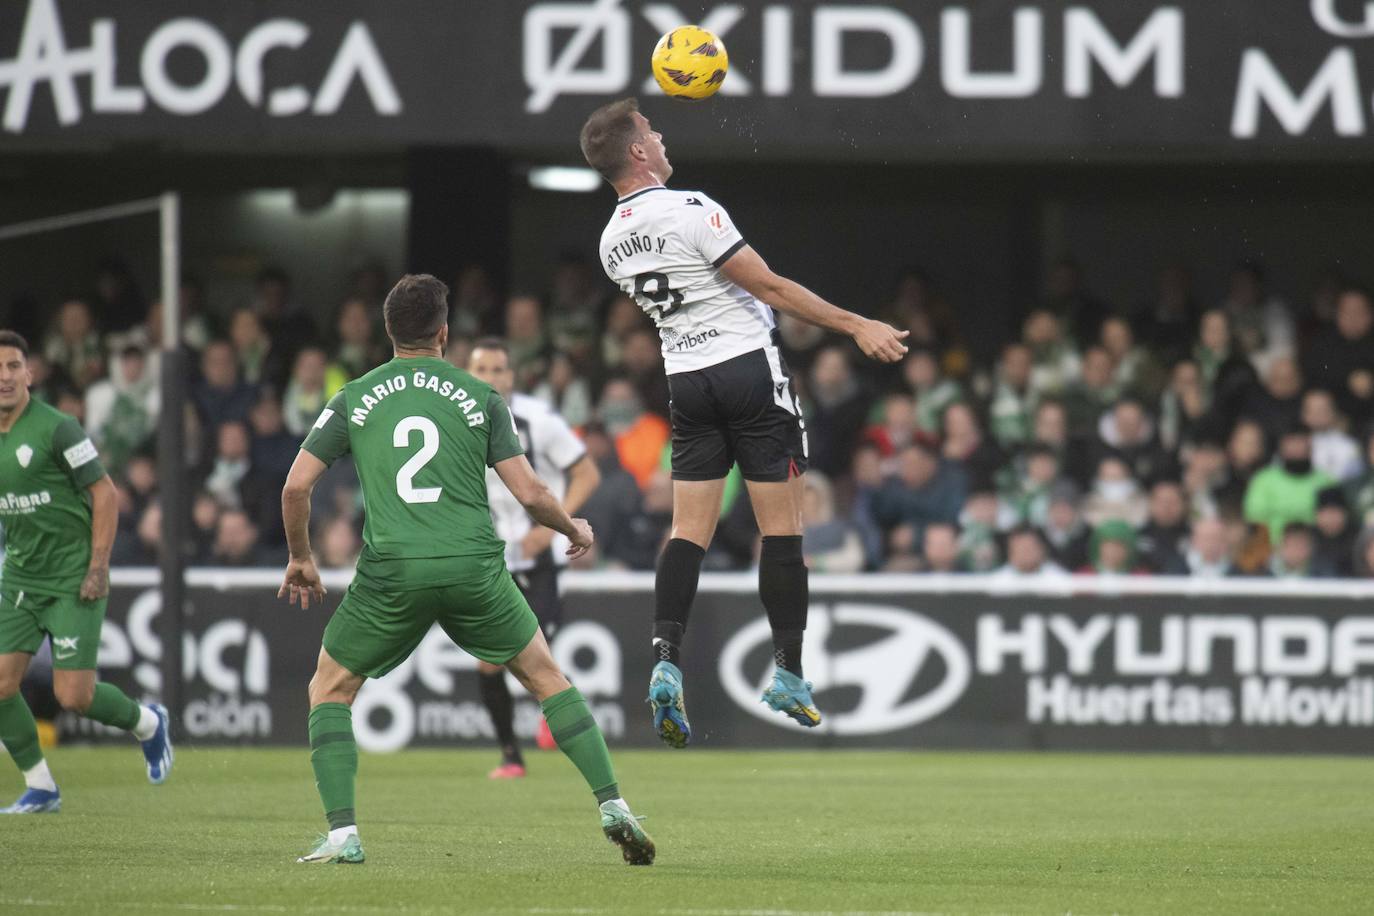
pixel 57 506
pixel 422 434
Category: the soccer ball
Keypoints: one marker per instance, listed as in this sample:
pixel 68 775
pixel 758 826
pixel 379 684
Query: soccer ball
pixel 690 63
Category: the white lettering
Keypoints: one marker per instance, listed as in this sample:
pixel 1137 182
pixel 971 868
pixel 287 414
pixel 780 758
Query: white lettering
pixel 547 75
pixel 829 27
pixel 1131 657
pixel 191 33
pixel 956 69
pixel 358 57
pixel 994 642
pixel 1324 12
pixel 274 33
pixel 1087 40
pixel 1261 85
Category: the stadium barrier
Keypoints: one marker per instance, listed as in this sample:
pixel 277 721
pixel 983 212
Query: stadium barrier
pixel 898 661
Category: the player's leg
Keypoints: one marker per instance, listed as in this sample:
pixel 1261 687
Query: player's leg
pixel 491 683
pixel 579 737
pixel 74 626
pixel 701 460
pixel 21 634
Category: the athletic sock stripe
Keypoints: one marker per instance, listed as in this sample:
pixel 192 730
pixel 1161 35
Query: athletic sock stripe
pixel 330 738
pixel 568 732
pixel 341 817
pixel 608 793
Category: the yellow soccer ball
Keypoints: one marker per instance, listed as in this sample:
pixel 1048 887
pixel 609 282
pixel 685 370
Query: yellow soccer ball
pixel 690 63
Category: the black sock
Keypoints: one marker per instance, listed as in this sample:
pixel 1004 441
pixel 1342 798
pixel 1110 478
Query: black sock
pixel 786 597
pixel 675 587
pixel 496 697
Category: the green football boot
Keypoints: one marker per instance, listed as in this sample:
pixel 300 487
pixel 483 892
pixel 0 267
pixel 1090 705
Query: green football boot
pixel 349 852
pixel 622 828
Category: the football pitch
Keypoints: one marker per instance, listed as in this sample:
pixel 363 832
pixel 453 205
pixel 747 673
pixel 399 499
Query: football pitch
pixel 738 834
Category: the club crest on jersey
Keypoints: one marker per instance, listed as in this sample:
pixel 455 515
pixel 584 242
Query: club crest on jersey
pixel 25 454
pixel 627 213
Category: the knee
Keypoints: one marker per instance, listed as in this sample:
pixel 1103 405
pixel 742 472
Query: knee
pixel 9 686
pixel 324 689
pixel 74 697
pixel 542 679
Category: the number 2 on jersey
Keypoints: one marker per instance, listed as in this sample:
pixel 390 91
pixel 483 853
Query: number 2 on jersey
pixel 660 294
pixel 429 447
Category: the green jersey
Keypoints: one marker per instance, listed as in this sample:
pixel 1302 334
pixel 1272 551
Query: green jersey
pixel 46 464
pixel 422 434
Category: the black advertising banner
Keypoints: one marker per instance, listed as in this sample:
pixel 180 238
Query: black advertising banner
pixel 893 666
pixel 883 81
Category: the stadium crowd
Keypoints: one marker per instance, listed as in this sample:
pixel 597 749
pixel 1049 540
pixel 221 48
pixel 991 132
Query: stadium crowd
pixel 1184 436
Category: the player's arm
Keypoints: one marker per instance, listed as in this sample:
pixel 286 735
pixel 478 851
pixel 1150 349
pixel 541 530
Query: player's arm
pixel 876 339
pixel 326 442
pixel 302 579
pixel 566 451
pixel 104 520
pixel 541 504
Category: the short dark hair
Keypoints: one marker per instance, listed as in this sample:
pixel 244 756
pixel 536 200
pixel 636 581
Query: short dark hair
pixel 492 343
pixel 16 340
pixel 415 310
pixel 606 137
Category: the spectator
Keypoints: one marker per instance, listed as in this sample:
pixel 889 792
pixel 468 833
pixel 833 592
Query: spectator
pixel 1205 474
pixel 1165 534
pixel 1112 551
pixel 273 449
pixel 145 548
pixel 979 523
pixel 459 352
pixel 1067 537
pixel 639 435
pixel 1247 453
pixel 1183 406
pixel 1335 533
pixel 1013 399
pixel 219 394
pixel 339 544
pixel 307 392
pixel 359 349
pixel 118 301
pixel 932 392
pixel 1262 324
pixel 205 513
pixel 574 302
pixel 1092 394
pixel 236 542
pixel 1067 297
pixel 965 444
pixel 830 544
pixel 1286 491
pixel 1333 451
pixel 1296 555
pixel 623 316
pixel 476 311
pixel 259 359
pixel 46 380
pixel 1027 557
pixel 1167 325
pixel 1055 363
pixel 801 342
pixel 898 426
pixel 1115 495
pixel 527 340
pixel 940 549
pixel 1276 405
pixel 565 391
pixel 1209 552
pixel 236 484
pixel 1126 431
pixel 1135 369
pixel 121 411
pixel 924 490
pixel 1364 554
pixel 643 364
pixel 286 322
pixel 1340 358
pixel 868 475
pixel 1359 493
pixel 615 507
pixel 1027 486
pixel 73 344
pixel 837 407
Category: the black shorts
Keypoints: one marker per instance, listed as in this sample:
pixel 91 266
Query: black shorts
pixel 742 410
pixel 539 585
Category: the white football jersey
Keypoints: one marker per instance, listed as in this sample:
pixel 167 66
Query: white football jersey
pixel 552 448
pixel 664 248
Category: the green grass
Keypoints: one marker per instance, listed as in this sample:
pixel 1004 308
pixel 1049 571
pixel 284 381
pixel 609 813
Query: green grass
pixel 737 833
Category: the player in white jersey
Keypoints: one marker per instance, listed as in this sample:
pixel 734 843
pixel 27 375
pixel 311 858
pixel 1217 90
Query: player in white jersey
pixel 681 257
pixel 535 555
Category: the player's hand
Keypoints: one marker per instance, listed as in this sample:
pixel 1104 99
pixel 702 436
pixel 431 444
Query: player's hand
pixel 582 539
pixel 302 580
pixel 881 341
pixel 535 542
pixel 96 584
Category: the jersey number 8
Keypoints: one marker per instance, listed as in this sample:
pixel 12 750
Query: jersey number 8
pixel 651 299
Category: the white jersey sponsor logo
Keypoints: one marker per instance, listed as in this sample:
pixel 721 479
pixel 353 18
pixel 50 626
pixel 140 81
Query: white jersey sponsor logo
pixel 665 248
pixel 81 453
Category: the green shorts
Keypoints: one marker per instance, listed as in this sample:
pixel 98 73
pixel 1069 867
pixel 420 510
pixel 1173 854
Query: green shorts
pixel 73 624
pixel 375 629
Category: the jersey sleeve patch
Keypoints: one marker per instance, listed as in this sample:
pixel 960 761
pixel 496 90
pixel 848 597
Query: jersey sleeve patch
pixel 324 418
pixel 83 452
pixel 719 224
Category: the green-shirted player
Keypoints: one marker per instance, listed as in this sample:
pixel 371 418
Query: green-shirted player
pixel 57 506
pixel 422 434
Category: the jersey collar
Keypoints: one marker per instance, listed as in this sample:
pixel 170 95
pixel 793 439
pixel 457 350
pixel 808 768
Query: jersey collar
pixel 657 187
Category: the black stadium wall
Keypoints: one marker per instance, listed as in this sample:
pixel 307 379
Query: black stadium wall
pixel 897 662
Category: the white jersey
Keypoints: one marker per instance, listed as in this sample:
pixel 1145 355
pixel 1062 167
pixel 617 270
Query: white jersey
pixel 664 248
pixel 552 449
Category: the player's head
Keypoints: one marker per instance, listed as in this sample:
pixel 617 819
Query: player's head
pixel 416 313
pixel 618 142
pixel 490 362
pixel 14 370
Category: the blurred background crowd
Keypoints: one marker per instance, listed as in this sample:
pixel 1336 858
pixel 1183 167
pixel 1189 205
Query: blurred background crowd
pixel 1209 433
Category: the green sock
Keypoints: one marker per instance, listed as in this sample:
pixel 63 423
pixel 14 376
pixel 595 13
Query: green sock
pixel 578 736
pixel 334 757
pixel 19 733
pixel 111 706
